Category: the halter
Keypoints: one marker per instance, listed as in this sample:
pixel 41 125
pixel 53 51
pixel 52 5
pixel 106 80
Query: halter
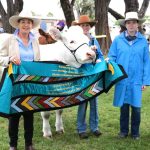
pixel 73 51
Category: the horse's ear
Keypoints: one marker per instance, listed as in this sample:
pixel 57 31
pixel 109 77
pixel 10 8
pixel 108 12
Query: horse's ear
pixel 42 32
pixel 55 34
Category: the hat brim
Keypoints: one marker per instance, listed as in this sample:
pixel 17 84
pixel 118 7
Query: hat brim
pixel 14 21
pixel 91 23
pixel 122 21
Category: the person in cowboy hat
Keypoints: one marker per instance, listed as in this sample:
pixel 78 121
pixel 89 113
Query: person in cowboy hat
pixel 122 21
pixel 86 24
pixel 21 46
pixel 130 49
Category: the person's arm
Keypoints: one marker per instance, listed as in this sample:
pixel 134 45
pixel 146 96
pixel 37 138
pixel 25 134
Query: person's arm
pixel 97 49
pixel 146 66
pixel 4 56
pixel 112 54
pixel 36 50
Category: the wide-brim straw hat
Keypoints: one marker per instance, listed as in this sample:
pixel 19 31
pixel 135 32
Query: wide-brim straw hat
pixel 24 15
pixel 85 19
pixel 130 16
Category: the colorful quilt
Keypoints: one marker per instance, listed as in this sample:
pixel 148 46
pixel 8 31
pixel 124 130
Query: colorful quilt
pixel 42 86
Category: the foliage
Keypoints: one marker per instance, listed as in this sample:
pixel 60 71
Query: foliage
pixel 147 18
pixel 85 7
pixel 50 14
pixel 109 125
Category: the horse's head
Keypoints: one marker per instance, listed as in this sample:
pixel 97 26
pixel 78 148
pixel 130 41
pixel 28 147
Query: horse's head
pixel 78 44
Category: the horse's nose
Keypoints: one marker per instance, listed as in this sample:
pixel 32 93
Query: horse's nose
pixel 90 55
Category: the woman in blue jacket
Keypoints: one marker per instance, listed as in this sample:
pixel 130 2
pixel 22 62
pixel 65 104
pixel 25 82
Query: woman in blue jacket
pixel 86 25
pixel 130 49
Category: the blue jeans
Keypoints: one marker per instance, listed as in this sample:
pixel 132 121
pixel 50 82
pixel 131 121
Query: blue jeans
pixel 135 120
pixel 93 118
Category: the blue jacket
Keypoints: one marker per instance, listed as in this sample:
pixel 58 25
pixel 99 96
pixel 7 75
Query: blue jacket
pixel 136 62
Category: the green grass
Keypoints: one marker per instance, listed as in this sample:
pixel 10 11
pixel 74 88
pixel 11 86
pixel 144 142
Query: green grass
pixel 109 125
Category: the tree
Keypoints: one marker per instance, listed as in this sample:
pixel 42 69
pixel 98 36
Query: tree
pixel 85 7
pixel 67 7
pixel 131 5
pixel 13 8
pixel 143 8
pixel 115 14
pixel 101 15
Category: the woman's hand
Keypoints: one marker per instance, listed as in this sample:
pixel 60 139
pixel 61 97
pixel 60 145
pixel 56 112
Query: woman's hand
pixel 94 47
pixel 15 60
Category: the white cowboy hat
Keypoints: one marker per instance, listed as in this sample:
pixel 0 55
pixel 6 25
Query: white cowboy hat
pixel 14 19
pixel 130 16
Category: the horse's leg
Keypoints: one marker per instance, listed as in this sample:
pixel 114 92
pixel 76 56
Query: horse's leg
pixel 59 122
pixel 46 126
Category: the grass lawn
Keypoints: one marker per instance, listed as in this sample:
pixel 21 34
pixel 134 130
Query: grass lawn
pixel 109 125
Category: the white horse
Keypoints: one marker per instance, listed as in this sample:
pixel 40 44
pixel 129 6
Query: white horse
pixel 71 48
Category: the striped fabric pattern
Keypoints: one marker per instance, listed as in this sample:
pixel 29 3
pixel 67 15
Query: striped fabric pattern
pixel 25 88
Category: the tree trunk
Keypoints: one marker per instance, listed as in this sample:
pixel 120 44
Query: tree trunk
pixel 115 14
pixel 143 8
pixel 131 5
pixel 67 7
pixel 101 15
pixel 13 8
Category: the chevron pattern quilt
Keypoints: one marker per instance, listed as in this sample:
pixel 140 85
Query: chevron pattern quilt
pixel 43 86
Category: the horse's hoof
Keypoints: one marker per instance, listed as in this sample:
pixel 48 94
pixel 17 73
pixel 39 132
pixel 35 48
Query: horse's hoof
pixel 60 131
pixel 47 136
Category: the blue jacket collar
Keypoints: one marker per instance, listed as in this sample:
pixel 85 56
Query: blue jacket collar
pixel 138 35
